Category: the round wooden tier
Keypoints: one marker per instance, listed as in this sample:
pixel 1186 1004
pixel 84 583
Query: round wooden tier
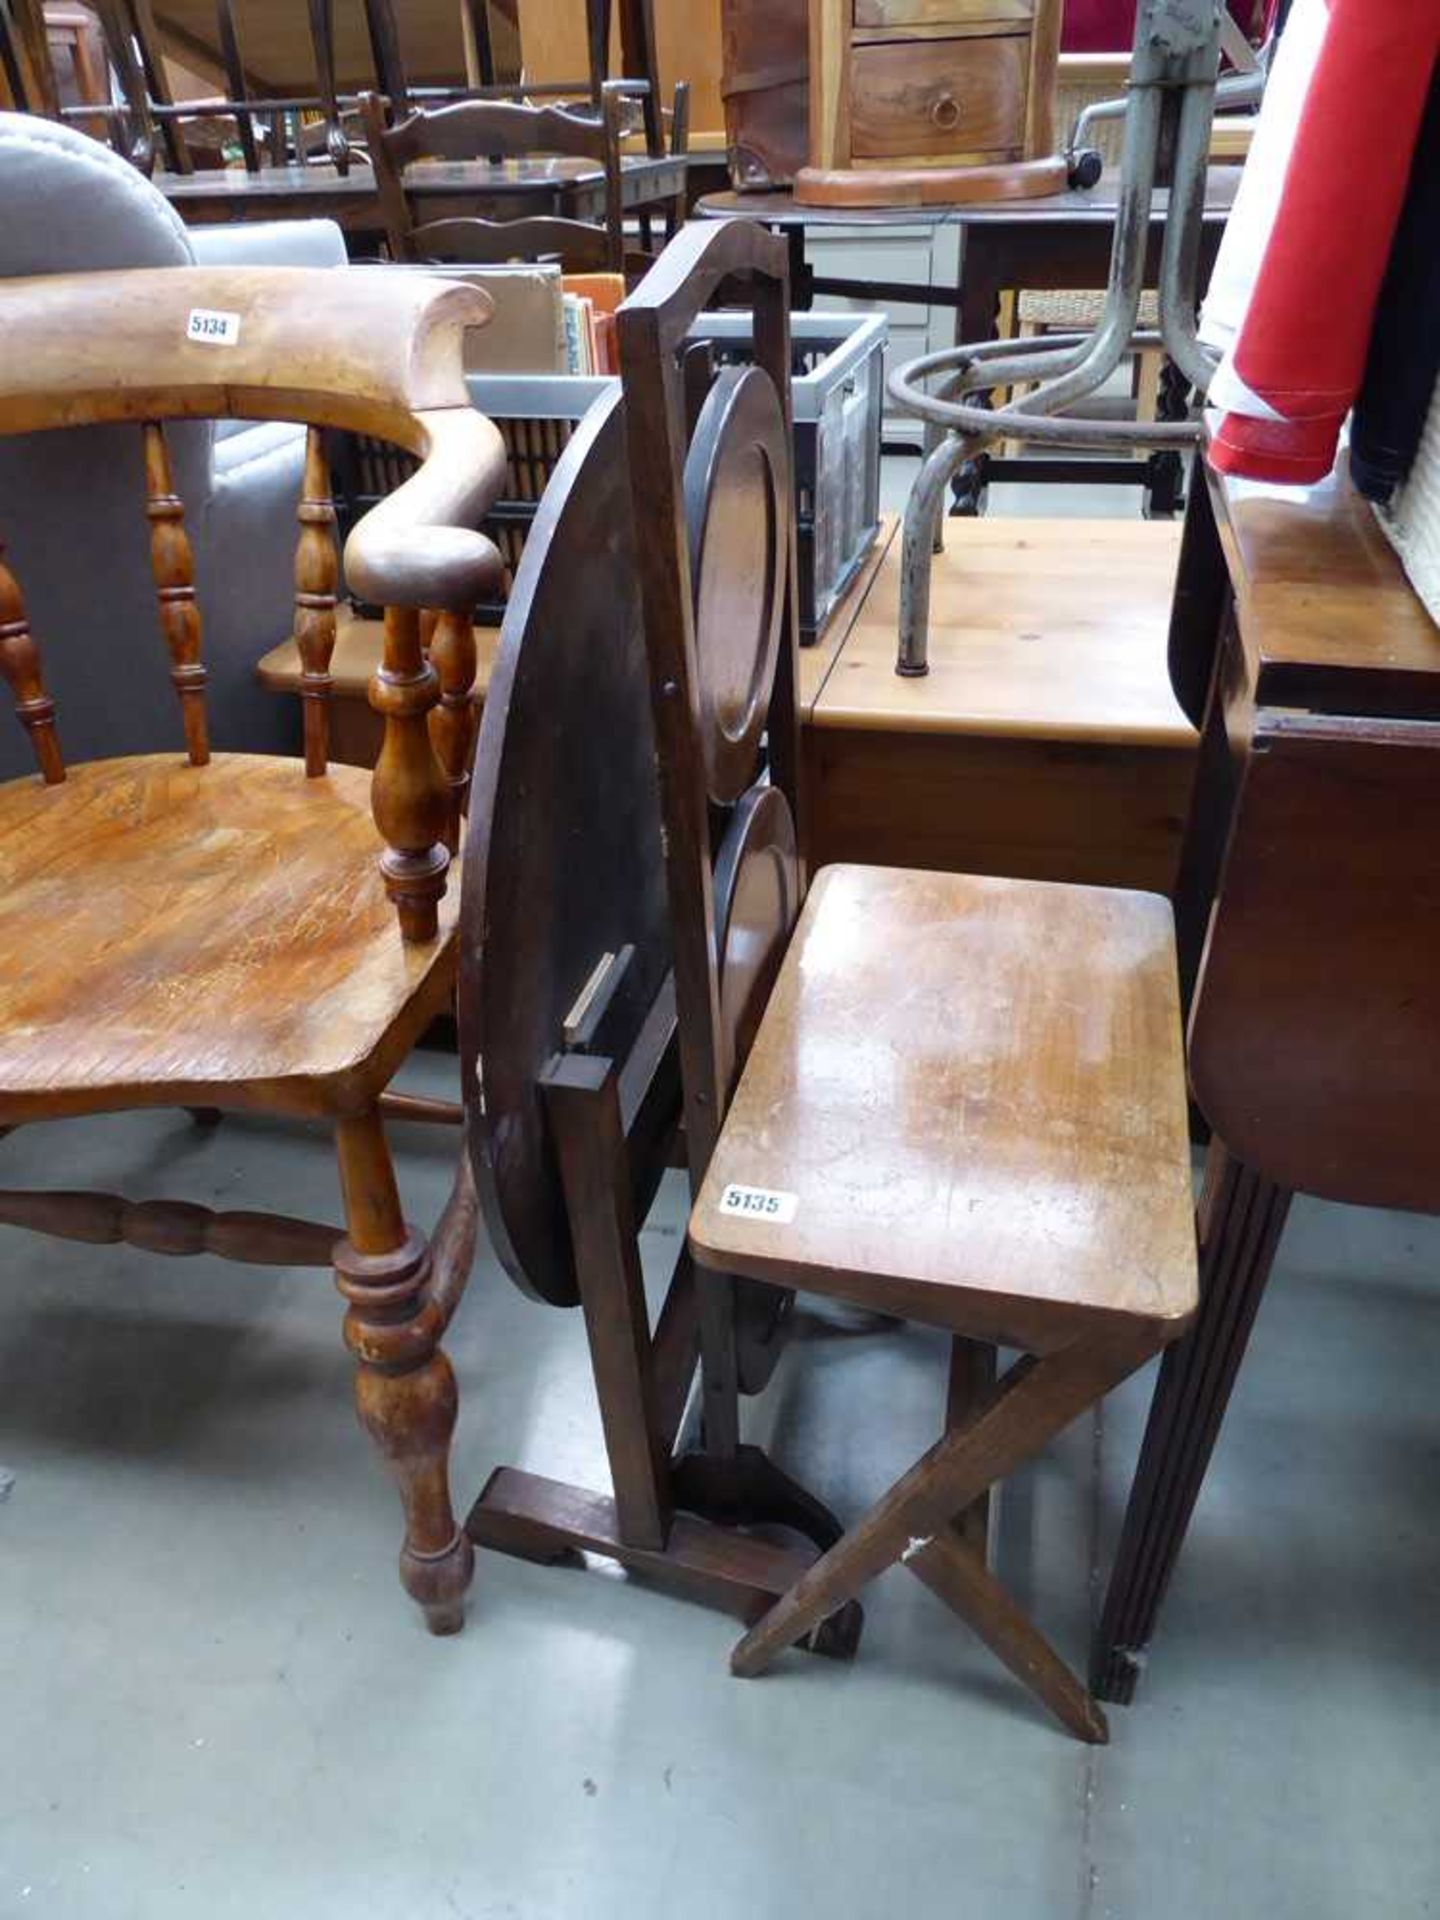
pixel 930 186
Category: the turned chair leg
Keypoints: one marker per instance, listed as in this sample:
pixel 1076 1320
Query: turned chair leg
pixel 404 1389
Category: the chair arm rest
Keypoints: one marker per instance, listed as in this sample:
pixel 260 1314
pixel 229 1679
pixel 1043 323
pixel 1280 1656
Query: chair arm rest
pixel 418 547
pixel 417 550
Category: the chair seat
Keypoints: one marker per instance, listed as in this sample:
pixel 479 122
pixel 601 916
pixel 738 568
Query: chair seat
pixel 966 1104
pixel 216 935
pixel 1077 308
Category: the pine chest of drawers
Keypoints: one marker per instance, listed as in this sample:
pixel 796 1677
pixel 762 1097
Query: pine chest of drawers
pixel 913 102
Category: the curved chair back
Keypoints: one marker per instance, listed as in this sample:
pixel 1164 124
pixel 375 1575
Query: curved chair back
pixel 381 354
pixel 69 205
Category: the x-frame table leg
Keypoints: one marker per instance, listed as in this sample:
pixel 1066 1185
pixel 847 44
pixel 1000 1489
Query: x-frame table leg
pixel 956 1574
pixel 1034 1400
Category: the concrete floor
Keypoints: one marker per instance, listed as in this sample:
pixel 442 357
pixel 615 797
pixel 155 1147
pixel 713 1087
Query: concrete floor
pixel 217 1701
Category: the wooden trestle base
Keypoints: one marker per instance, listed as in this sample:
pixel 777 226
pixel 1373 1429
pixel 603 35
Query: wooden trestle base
pixel 719 1566
pixel 677 1517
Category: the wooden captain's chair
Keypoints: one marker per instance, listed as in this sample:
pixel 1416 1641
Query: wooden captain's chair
pixel 964 1099
pixel 226 930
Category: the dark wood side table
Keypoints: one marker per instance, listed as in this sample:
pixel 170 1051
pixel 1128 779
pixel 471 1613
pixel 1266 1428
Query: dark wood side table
pixel 1060 242
pixel 1308 907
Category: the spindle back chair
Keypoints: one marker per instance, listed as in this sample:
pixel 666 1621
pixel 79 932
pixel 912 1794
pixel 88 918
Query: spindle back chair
pixel 151 117
pixel 234 931
pixel 314 64
pixel 309 69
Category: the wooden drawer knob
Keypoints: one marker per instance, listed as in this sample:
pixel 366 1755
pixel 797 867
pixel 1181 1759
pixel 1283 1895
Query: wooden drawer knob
pixel 946 112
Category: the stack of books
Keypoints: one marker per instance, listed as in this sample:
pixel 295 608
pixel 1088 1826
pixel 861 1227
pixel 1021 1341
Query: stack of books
pixel 588 303
pixel 545 321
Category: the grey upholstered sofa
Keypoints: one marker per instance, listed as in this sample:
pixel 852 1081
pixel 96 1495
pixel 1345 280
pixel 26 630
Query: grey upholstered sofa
pixel 72 506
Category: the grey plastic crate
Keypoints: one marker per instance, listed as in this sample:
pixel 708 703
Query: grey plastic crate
pixel 837 391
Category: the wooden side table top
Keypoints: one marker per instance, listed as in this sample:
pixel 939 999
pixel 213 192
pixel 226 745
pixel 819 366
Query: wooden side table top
pixel 973 1151
pixel 1328 618
pixel 1093 206
pixel 1039 629
pixel 231 193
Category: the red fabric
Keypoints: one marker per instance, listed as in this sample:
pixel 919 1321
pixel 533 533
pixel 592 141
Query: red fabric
pixel 1108 26
pixel 1301 348
pixel 1098 26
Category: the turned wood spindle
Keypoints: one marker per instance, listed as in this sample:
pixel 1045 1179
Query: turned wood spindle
pixel 452 722
pixel 20 664
pixel 173 566
pixel 409 795
pixel 171 1227
pixel 317 578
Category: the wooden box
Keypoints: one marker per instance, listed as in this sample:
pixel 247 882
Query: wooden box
pixel 914 102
